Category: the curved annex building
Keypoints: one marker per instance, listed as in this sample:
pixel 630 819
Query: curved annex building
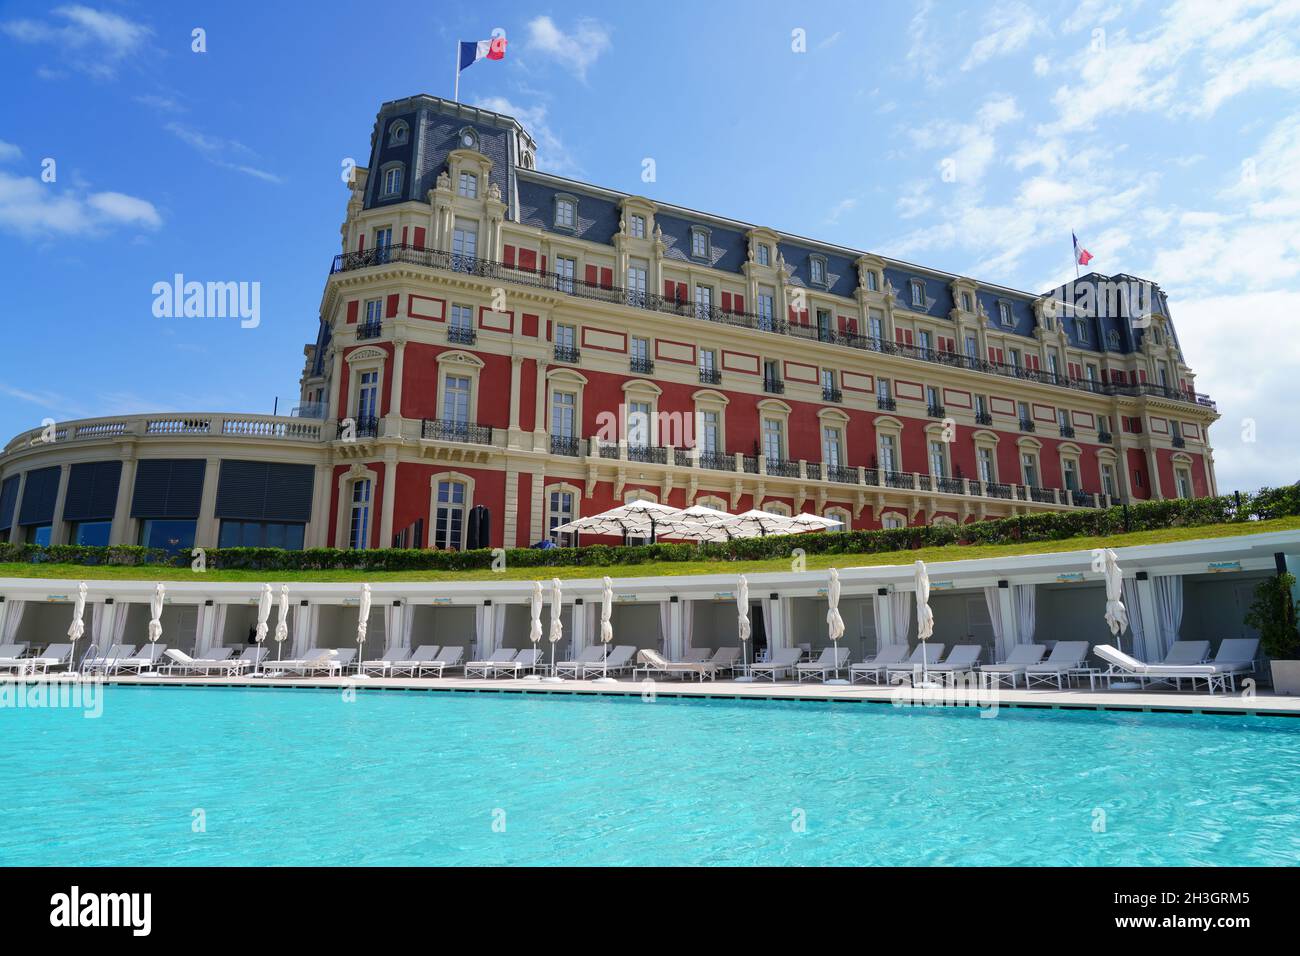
pixel 501 350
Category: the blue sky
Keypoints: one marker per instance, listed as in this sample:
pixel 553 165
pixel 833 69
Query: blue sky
pixel 968 137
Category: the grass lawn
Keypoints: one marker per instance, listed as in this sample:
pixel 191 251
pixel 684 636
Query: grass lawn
pixel 929 555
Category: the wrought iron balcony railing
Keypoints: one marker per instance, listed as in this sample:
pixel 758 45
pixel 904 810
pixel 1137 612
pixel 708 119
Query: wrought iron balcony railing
pixel 1178 441
pixel 782 468
pixel 566 445
pixel 717 461
pixel 935 411
pixel 710 376
pixel 983 418
pixel 648 454
pixel 830 394
pixel 369 330
pixel 567 353
pixel 1105 438
pixel 461 335
pixel 886 404
pixel 774 385
pixel 444 430
pixel 1067 431
pixel 1026 424
pixel 842 473
pixel 497 271
pixel 366 426
pixel 642 366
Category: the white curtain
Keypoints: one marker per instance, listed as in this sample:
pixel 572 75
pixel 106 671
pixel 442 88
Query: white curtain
pixel 200 623
pixel 688 625
pixel 210 629
pixel 11 613
pixel 592 629
pixel 884 632
pixel 1168 590
pixel 498 625
pixel 99 616
pixel 578 631
pixel 770 628
pixel 120 617
pixel 994 604
pixel 1024 600
pixel 1134 608
pixel 397 627
pixel 666 628
pixel 776 619
pixel 483 631
pixel 900 603
pixel 305 626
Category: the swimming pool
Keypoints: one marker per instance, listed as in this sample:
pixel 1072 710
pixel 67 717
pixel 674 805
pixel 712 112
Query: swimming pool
pixel 217 776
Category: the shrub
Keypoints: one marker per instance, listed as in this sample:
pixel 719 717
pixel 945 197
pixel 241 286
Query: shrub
pixel 1274 615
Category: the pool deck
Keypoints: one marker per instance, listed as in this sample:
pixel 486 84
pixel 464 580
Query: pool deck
pixel 1261 703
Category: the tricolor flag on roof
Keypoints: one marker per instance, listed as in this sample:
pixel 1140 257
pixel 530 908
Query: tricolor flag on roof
pixel 471 51
pixel 1081 255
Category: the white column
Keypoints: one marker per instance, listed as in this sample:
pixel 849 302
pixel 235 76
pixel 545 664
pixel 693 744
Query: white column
pixel 205 531
pixel 390 492
pixel 59 527
pixel 18 503
pixel 393 422
pixel 317 530
pixel 516 376
pixel 120 533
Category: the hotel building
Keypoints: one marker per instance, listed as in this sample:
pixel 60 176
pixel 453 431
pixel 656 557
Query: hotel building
pixel 501 350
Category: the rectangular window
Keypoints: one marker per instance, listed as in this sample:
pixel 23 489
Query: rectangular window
pixel 873 283
pixel 638 424
pixel 832 446
pixel 965 302
pixel 984 461
pixel 1004 313
pixel 828 379
pixel 931 397
pixel 923 339
pixel 636 282
pixel 393 181
pixel 1053 363
pixel 1063 418
pixel 561 513
pixel 703 301
pixel 938 459
pixel 1022 410
pixel 972 348
pixel 825 330
pixel 876 326
pixel 1013 358
pixel 640 349
pixel 766 300
pixel 708 359
pixel 566 213
pixel 1090 372
pixel 1108 480
pixel 565 336
pixel 368 395
pixel 261 534
pixel 699 244
pixel 374 311
pixel 462 318
pixel 464 239
pixel 1184 482
pixel 817 270
pixel 773 440
pixel 888 453
pixel 882 389
pixel 981 406
pixel 455 399
pixel 467 186
pixel 764 254
pixel 1029 465
pixel 565 270
pixel 449 516
pixel 918 295
pixel 1070 469
pixel 359 530
pixel 563 414
pixel 384 237
pixel 636 226
pixel 711 432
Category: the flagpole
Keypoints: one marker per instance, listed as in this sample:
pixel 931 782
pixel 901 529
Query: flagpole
pixel 455 96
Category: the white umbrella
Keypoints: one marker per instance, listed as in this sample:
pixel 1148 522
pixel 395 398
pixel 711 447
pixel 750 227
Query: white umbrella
pixel 755 523
pixel 714 525
pixel 78 626
pixel 363 625
pixel 834 622
pixel 535 621
pixel 606 615
pixel 641 519
pixel 263 613
pixel 924 617
pixel 811 522
pixel 282 624
pixel 742 617
pixel 1116 612
pixel 557 625
pixel 155 612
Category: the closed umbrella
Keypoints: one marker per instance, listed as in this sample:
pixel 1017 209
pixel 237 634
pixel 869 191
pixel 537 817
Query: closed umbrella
pixel 78 626
pixel 282 623
pixel 363 625
pixel 155 612
pixel 557 625
pixel 606 621
pixel 742 619
pixel 834 622
pixel 924 618
pixel 1116 612
pixel 263 614
pixel 535 611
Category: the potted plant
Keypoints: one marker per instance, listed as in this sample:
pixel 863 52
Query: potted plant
pixel 1274 615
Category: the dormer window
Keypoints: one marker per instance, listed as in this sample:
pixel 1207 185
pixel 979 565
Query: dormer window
pixel 467 186
pixel 918 293
pixel 1112 340
pixel 398 132
pixel 1081 327
pixel 764 254
pixel 566 212
pixel 392 181
pixel 817 270
pixel 1004 314
pixel 699 242
pixel 873 281
pixel 965 302
pixel 636 226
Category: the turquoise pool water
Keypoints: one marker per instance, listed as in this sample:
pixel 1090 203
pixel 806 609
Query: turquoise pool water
pixel 305 777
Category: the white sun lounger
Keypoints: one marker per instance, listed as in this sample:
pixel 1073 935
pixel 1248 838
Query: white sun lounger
pixel 392 656
pixel 502 655
pixel 726 659
pixel 218 659
pixel 832 659
pixel 1122 665
pixel 321 659
pixel 589 655
pixel 620 659
pixel 110 658
pixel 962 659
pixel 56 655
pixel 11 655
pixel 146 660
pixel 1236 655
pixel 1066 656
pixel 912 666
pixel 1187 652
pixel 1021 656
pixel 871 669
pixel 448 657
pixel 696 655
pixel 652 662
pixel 784 660
pixel 526 660
pixel 413 660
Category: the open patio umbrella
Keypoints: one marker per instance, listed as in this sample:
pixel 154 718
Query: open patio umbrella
pixel 642 519
pixel 834 621
pixel 363 625
pixel 924 618
pixel 810 522
pixel 557 625
pixel 78 625
pixel 742 618
pixel 282 623
pixel 714 525
pixel 755 523
pixel 263 614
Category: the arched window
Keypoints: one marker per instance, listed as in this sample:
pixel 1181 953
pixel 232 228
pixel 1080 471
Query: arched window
pixel 451 503
pixel 842 516
pixel 892 519
pixel 359 524
pixel 391 180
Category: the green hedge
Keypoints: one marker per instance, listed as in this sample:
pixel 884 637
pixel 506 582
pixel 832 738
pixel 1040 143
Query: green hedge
pixel 1041 526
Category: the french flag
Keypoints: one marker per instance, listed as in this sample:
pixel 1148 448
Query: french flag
pixel 1081 255
pixel 471 51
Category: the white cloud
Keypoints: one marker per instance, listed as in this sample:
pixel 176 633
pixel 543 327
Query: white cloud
pixel 846 205
pixel 1042 65
pixel 92 41
pixel 970 146
pixel 36 210
pixel 9 152
pixel 552 155
pixel 1093 13
pixel 226 153
pixel 1011 26
pixel 922 51
pixel 577 50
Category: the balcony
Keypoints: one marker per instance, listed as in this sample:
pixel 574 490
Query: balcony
pixel 774 385
pixel 366 426
pixel 566 445
pixel 830 394
pixel 886 404
pixel 842 473
pixel 441 430
pixel 717 461
pixel 647 454
pixel 461 335
pixel 899 479
pixel 1106 438
pixel 983 418
pixel 1026 425
pixel 497 272
pixel 710 376
pixel 782 468
pixel 950 486
pixel 642 366
pixel 1178 441
pixel 1067 431
pixel 310 410
pixel 567 353
pixel 369 330
pixel 934 411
